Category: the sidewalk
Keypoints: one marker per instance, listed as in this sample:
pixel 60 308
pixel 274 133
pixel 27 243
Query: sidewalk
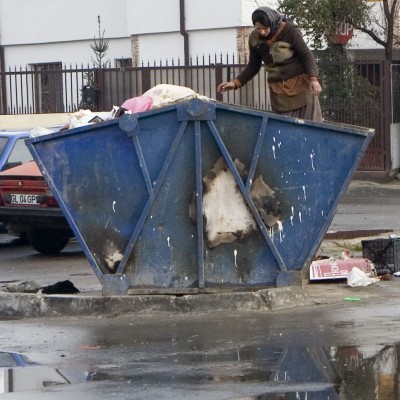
pixel 368 209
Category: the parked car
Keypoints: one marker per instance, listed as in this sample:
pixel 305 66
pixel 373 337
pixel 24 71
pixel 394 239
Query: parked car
pixel 27 206
pixel 13 150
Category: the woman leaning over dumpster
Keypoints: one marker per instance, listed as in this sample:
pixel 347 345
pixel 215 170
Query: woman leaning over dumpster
pixel 292 71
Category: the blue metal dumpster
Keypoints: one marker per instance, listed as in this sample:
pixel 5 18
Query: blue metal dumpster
pixel 200 196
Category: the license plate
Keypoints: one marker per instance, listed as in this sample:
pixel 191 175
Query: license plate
pixel 23 199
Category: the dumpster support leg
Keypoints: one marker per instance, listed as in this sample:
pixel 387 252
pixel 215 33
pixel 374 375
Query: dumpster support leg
pixel 199 205
pixel 256 154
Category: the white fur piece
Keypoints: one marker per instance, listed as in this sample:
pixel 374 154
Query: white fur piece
pixel 228 217
pixel 113 259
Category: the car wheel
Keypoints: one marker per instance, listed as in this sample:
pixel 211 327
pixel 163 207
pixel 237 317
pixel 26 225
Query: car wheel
pixel 23 238
pixel 48 241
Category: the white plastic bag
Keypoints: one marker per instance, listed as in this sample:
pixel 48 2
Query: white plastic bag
pixel 40 131
pixel 356 278
pixel 165 94
pixel 87 117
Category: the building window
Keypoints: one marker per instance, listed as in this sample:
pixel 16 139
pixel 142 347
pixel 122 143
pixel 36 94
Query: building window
pixel 123 62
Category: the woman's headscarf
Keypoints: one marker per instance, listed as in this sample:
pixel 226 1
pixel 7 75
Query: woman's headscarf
pixel 268 17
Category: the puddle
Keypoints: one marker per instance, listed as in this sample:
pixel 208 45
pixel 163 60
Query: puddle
pixel 19 374
pixel 354 372
pixel 266 373
pixel 252 373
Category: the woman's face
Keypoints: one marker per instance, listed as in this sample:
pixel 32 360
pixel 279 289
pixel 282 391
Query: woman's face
pixel 262 30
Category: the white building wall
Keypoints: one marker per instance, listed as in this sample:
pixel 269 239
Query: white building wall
pixel 219 41
pixel 68 53
pixel 152 16
pixel 40 31
pixel 51 21
pixel 169 46
pixel 213 14
pixel 157 48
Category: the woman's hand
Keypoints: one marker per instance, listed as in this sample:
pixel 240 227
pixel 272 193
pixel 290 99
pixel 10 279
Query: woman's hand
pixel 223 87
pixel 316 88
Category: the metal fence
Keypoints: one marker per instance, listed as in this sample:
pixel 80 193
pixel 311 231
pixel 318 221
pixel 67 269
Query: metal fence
pixel 66 89
pixel 356 93
pixel 395 92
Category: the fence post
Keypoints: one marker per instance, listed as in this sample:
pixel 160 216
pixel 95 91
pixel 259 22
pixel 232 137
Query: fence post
pixel 386 113
pixel 100 87
pixel 3 106
pixel 218 80
pixel 3 93
pixel 146 81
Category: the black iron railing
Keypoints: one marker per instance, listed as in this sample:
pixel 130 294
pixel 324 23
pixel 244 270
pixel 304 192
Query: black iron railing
pixel 359 93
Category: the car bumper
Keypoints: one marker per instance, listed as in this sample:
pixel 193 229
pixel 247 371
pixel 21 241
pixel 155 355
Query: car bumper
pixel 25 219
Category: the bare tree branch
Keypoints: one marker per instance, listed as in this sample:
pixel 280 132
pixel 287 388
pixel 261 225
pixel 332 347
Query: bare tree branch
pixel 381 22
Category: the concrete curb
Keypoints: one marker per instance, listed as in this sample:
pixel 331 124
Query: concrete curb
pixel 21 305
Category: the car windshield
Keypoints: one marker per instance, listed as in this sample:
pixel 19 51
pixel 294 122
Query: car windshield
pixel 3 142
pixel 18 155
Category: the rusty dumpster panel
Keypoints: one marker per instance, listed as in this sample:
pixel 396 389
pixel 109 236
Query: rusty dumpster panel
pixel 200 195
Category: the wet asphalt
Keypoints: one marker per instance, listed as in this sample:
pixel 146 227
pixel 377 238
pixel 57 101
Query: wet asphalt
pixel 342 350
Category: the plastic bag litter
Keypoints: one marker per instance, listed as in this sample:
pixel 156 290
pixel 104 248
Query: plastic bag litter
pixel 356 278
pixel 159 96
pixel 164 94
pixel 87 117
pixel 138 104
pixel 40 131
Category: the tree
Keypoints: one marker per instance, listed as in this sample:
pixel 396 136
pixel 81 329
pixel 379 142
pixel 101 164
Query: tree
pixel 385 29
pixel 90 92
pixel 347 91
pixel 319 19
pixel 100 47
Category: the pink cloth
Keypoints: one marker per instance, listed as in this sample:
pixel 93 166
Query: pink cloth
pixel 138 104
